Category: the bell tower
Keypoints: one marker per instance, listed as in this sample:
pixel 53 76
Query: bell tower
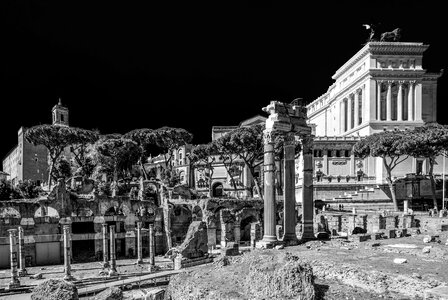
pixel 59 114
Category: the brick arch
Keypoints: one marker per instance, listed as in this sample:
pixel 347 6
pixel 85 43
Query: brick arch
pixel 46 211
pixel 10 212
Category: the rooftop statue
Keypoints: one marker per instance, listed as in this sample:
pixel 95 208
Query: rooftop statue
pixel 372 32
pixel 391 36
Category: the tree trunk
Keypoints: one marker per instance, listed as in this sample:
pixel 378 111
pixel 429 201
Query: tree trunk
pixel 391 185
pixel 143 169
pixel 50 174
pixel 257 186
pixel 210 180
pixel 433 183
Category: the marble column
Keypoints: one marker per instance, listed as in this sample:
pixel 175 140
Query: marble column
pixel 152 249
pixel 400 101
pixel 67 252
pixel 389 101
pixel 105 247
pixel 269 236
pixel 325 161
pixel 378 100
pixel 13 256
pixel 344 116
pixel 356 109
pixel 411 101
pixel 289 215
pixel 349 112
pixel 237 232
pixel 307 189
pixel 113 262
pixel 139 243
pixel 22 268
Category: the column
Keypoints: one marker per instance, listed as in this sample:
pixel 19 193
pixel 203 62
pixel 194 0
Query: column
pixel 349 112
pixel 418 101
pixel 400 101
pixel 356 109
pixel 67 252
pixel 378 100
pixel 223 233
pixel 289 227
pixel 343 109
pixel 152 249
pixel 22 268
pixel 352 163
pixel 139 243
pixel 325 161
pixel 411 101
pixel 389 101
pixel 113 262
pixel 105 247
pixel 307 188
pixel 13 256
pixel 269 236
pixel 237 232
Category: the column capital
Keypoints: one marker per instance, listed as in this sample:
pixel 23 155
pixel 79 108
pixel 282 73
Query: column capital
pixel 12 231
pixel 268 136
pixel 412 82
pixel 401 82
pixel 104 225
pixel 390 82
pixel 139 225
pixel 289 139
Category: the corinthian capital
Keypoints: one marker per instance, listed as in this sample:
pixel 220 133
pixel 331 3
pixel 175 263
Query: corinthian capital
pixel 289 139
pixel 268 136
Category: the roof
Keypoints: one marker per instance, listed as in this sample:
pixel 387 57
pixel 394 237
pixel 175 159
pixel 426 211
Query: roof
pixel 258 119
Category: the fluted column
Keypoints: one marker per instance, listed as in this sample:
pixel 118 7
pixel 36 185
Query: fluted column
pixel 22 268
pixel 105 247
pixel 411 101
pixel 139 243
pixel 378 100
pixel 289 190
pixel 343 115
pixel 67 252
pixel 13 256
pixel 269 236
pixel 349 112
pixel 152 249
pixel 389 101
pixel 113 262
pixel 307 188
pixel 356 109
pixel 400 101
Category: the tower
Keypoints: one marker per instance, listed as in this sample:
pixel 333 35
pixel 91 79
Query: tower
pixel 60 114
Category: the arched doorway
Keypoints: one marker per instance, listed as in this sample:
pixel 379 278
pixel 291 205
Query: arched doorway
pixel 218 189
pixel 245 227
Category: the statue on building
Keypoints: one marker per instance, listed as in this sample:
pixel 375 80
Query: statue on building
pixel 391 36
pixel 372 32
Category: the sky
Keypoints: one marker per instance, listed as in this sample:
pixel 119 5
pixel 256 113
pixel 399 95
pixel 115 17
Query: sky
pixel 123 66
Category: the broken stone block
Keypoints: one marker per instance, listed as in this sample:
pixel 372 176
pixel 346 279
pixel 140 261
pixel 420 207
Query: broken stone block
pixel 377 236
pixel 400 260
pixel 426 249
pixel 322 235
pixel 112 293
pixel 428 239
pixel 55 289
pixel 279 247
pixel 195 243
pixel 231 249
pixel 36 276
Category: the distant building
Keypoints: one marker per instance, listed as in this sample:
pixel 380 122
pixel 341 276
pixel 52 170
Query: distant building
pixel 3 176
pixel 28 162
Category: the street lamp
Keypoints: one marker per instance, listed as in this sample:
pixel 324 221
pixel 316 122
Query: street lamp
pixel 443 182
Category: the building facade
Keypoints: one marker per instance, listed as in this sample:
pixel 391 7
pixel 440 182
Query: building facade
pixel 383 87
pixel 29 162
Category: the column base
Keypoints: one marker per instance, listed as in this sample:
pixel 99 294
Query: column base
pixel 13 285
pixel 308 236
pixel 290 240
pixel 112 273
pixel 139 262
pixel 23 273
pixel 106 265
pixel 267 242
pixel 69 277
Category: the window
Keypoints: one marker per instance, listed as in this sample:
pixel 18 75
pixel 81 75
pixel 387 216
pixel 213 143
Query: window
pixel 62 118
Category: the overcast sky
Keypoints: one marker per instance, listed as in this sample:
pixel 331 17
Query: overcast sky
pixel 124 66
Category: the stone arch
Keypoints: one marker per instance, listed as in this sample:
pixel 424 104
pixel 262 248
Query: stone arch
pixel 46 212
pixel 245 227
pixel 9 212
pixel 197 213
pixel 181 218
pixel 218 189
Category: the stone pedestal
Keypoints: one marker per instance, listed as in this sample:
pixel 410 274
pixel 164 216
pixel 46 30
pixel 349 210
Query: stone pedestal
pixel 105 247
pixel 139 243
pixel 269 238
pixel 254 234
pixel 67 252
pixel 13 256
pixel 22 268
pixel 290 190
pixel 152 248
pixel 113 262
pixel 307 189
pixel 211 235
